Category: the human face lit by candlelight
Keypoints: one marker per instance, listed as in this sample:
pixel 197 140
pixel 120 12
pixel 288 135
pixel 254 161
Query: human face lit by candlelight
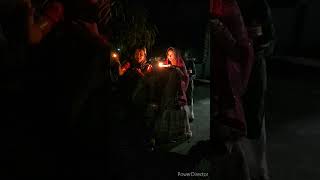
pixel 140 56
pixel 171 55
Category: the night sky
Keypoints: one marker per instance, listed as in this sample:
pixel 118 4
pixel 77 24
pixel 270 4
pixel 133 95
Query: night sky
pixel 180 23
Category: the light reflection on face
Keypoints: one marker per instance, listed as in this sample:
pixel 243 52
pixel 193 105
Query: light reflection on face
pixel 140 55
pixel 171 55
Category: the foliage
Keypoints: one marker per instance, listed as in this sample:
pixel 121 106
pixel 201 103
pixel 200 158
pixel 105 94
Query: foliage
pixel 131 26
pixel 127 21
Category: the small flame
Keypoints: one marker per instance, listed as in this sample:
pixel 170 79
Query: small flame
pixel 114 55
pixel 163 65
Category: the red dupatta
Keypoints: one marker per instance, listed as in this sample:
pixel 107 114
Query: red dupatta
pixel 216 8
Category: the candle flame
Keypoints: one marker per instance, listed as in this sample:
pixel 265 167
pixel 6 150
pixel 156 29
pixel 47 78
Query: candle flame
pixel 163 65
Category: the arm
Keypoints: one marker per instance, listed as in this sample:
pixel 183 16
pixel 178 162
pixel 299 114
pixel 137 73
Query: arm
pixel 237 47
pixel 184 76
pixel 123 68
pixel 38 30
pixel 223 37
pixel 120 70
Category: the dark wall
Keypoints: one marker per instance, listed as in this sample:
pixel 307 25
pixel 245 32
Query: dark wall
pixel 310 41
pixel 297 28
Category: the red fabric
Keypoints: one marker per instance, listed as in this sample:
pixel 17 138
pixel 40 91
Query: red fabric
pixel 55 12
pixel 103 41
pixel 231 73
pixel 126 66
pixel 92 1
pixel 216 8
pixel 184 81
pixel 149 69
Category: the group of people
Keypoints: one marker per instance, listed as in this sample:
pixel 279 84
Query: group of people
pixel 62 84
pixel 66 93
pixel 243 37
pixel 154 94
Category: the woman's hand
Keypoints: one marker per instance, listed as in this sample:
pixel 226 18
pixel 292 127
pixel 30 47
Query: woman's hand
pixel 123 68
pixel 138 70
pixel 149 69
pixel 53 14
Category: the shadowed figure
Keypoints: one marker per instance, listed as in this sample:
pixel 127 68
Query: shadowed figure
pixel 232 61
pixel 64 97
pixel 257 17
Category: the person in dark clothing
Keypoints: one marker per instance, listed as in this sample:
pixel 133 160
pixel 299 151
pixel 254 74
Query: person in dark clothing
pixel 69 88
pixel 128 75
pixel 135 69
pixel 173 123
pixel 22 32
pixel 130 136
pixel 191 68
pixel 257 16
pixel 58 61
pixel 260 29
pixel 138 73
pixel 232 61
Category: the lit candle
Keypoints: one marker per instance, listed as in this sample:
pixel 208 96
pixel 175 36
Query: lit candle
pixel 163 65
pixel 114 55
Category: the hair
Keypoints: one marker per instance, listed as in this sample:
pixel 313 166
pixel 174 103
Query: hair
pixel 176 52
pixel 179 59
pixel 133 49
pixel 132 52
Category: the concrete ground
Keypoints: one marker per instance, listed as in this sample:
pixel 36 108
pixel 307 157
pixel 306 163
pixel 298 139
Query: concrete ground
pixel 293 121
pixel 201 125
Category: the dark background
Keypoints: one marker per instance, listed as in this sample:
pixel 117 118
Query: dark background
pixel 182 24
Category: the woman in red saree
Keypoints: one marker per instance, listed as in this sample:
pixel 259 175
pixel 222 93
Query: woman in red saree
pixel 232 60
pixel 174 123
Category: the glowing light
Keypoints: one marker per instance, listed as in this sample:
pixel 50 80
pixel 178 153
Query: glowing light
pixel 114 55
pixel 163 65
